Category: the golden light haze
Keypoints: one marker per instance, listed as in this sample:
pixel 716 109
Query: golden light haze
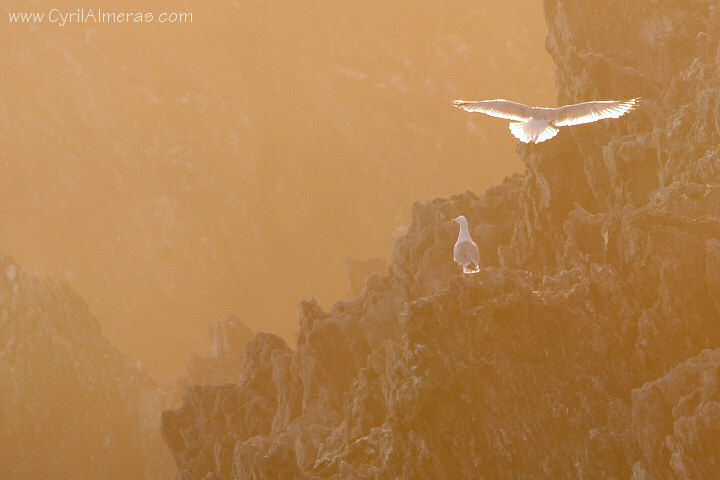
pixel 174 174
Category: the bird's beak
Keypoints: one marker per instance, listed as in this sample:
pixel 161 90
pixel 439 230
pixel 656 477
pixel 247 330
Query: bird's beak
pixel 453 221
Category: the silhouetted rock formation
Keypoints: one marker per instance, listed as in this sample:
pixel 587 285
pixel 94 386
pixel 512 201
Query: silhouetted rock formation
pixel 588 348
pixel 72 405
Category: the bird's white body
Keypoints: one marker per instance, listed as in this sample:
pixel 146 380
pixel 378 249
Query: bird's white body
pixel 537 124
pixel 465 252
pixel 535 131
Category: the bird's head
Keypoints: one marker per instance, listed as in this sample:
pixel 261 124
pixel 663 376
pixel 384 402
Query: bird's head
pixel 459 220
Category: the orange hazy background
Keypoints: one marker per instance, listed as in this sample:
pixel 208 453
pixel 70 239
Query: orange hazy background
pixel 174 174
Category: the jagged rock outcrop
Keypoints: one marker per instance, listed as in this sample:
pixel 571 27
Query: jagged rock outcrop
pixel 230 413
pixel 588 347
pixel 72 405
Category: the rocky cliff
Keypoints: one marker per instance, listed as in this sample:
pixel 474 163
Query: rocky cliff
pixel 589 345
pixel 72 405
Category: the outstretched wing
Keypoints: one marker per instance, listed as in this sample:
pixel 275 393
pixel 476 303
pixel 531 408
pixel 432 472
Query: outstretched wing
pixel 497 108
pixel 587 112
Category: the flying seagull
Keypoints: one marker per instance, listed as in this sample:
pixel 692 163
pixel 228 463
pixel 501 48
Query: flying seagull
pixel 466 252
pixel 537 124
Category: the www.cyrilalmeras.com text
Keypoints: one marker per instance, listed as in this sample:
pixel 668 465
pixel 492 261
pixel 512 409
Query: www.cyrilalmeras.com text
pixel 96 15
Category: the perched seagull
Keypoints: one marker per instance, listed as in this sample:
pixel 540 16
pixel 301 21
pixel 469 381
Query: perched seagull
pixel 466 252
pixel 537 124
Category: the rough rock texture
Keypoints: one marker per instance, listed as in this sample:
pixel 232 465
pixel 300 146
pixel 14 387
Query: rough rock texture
pixel 230 413
pixel 71 405
pixel 589 345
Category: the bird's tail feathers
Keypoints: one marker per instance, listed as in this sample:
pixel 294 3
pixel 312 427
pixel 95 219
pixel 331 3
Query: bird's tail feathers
pixel 534 131
pixel 471 268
